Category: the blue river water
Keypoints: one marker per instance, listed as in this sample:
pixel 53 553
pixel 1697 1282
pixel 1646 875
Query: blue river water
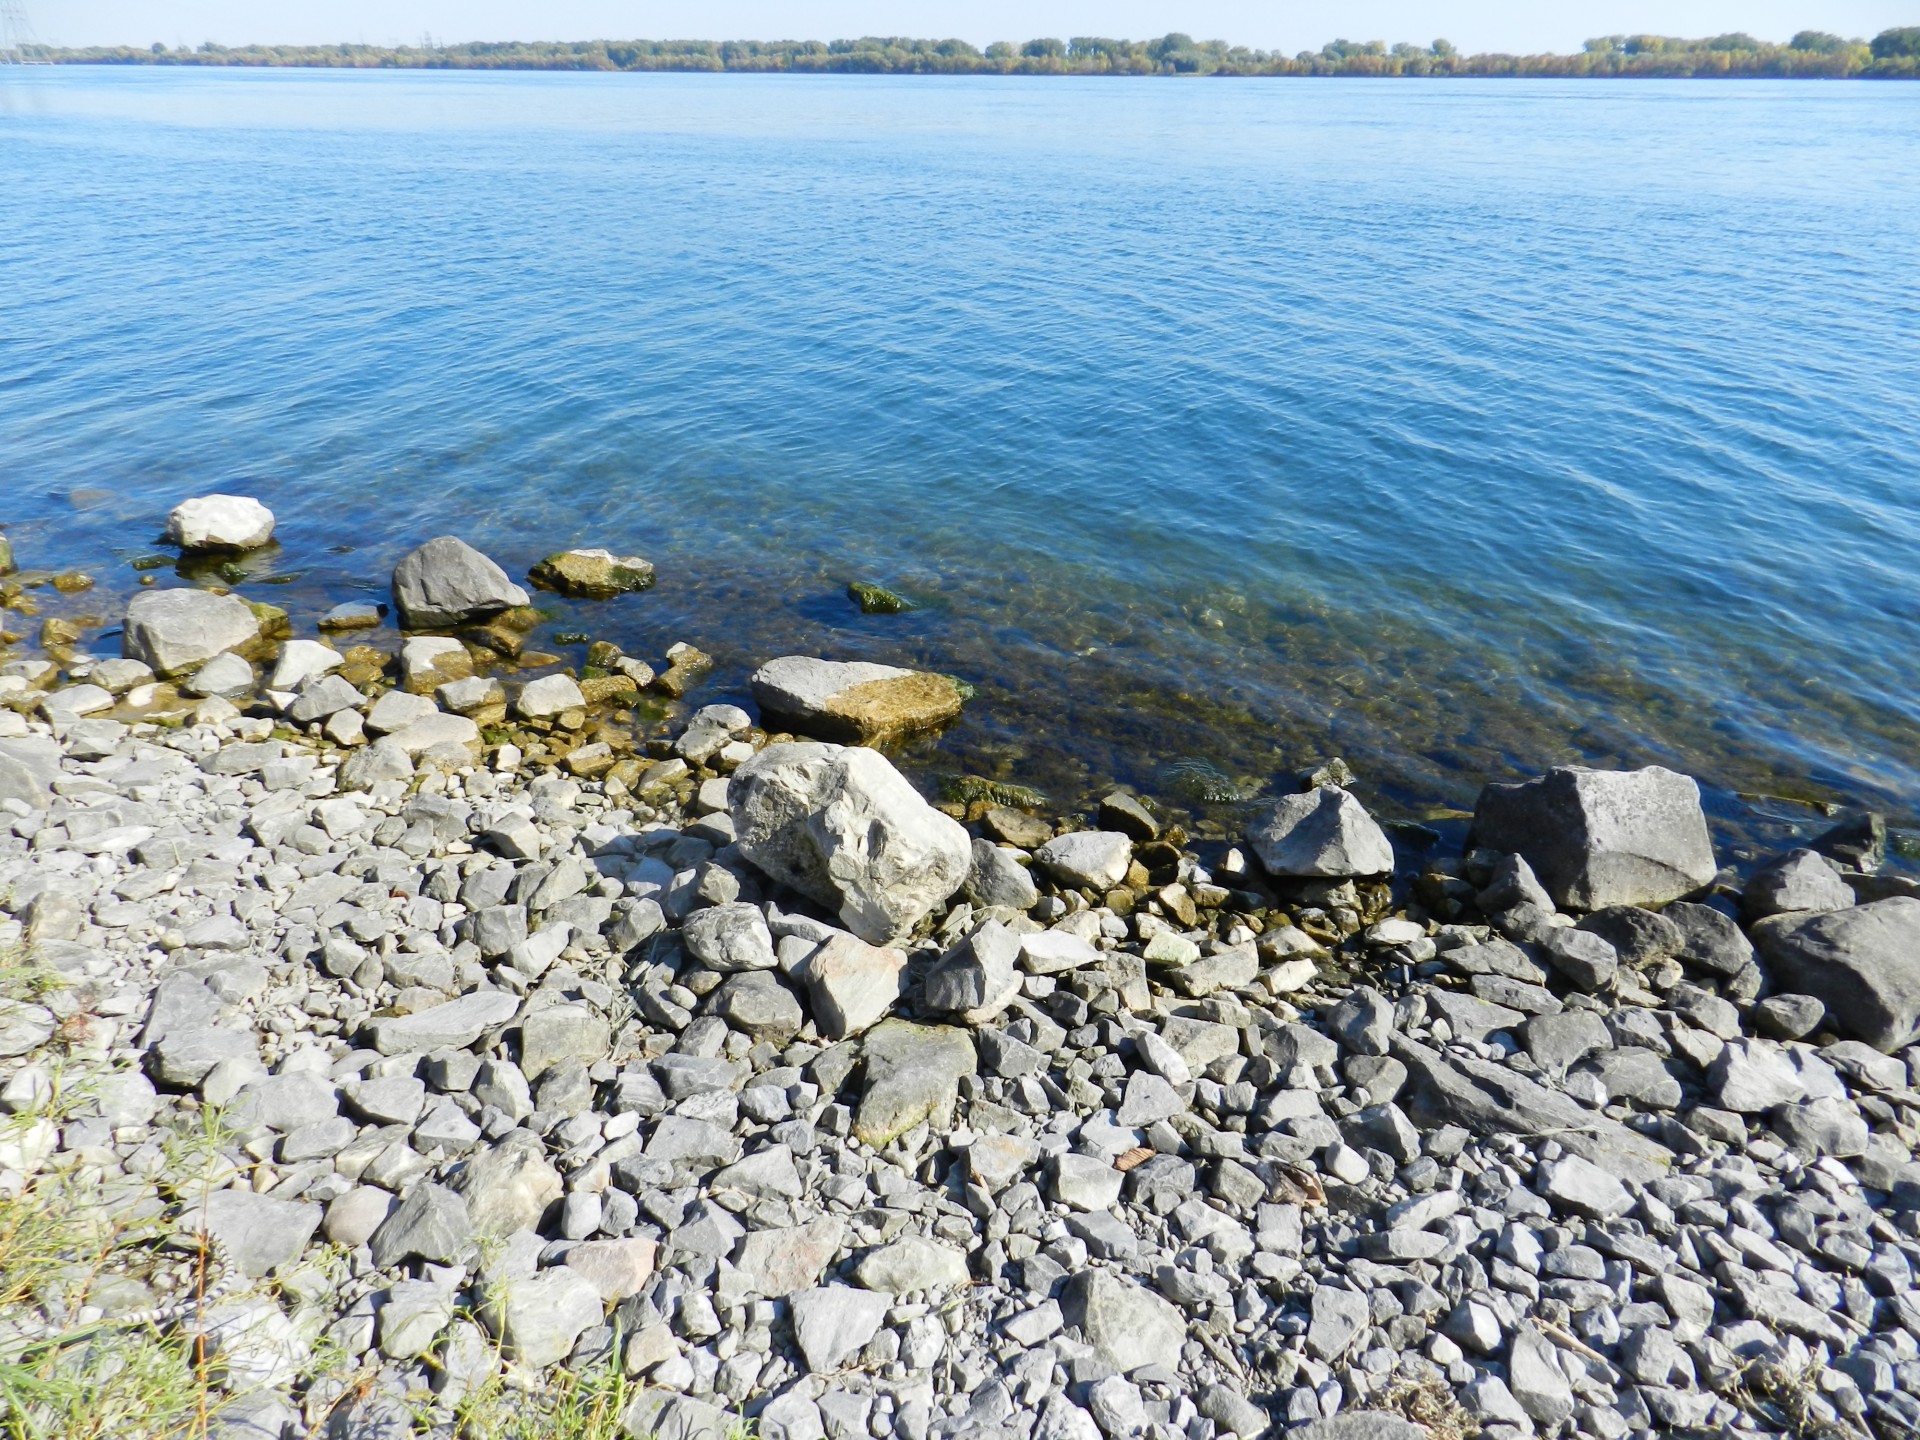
pixel 1457 427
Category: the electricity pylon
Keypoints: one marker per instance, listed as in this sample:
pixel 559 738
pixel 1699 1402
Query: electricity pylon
pixel 16 34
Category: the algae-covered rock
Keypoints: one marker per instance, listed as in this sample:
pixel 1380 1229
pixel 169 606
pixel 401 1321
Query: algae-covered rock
pixel 592 574
pixel 852 701
pixel 877 599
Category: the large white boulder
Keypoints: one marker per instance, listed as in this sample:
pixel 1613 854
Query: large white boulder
pixel 179 630
pixel 1597 838
pixel 220 522
pixel 840 825
pixel 448 582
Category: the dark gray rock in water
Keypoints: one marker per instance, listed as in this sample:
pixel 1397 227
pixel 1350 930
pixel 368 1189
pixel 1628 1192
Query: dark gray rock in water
pixel 1709 939
pixel 1859 843
pixel 1602 837
pixel 1862 963
pixel 1798 882
pixel 448 582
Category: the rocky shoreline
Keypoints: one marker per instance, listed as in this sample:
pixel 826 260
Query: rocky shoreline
pixel 529 1030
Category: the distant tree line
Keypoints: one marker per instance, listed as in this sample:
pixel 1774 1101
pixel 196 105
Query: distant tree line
pixel 1894 54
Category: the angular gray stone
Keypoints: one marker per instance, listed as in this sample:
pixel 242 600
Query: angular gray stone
pixel 756 1003
pixel 789 1258
pixel 1232 1413
pixel 1360 1425
pixel 851 984
pixel 1128 1325
pixel 1709 940
pixel 1800 881
pixel 1752 1076
pixel 913 1075
pixel 1489 1099
pixel 911 1264
pixel 997 880
pixel 1579 1185
pixel 431 1224
pixel 447 582
pixel 841 826
pixel 1337 1318
pixel 318 699
pixel 1536 1379
pixel 1323 832
pixel 539 1318
pixel 831 1322
pixel 657 1414
pixel 1862 963
pixel 1582 957
pixel 452 1026
pixel 730 937
pixel 29 764
pixel 1558 1041
pixel 1087 859
pixel 1598 838
pixel 1086 1182
pixel 226 675
pixel 175 631
pixel 259 1231
pixel 1827 1126
pixel 559 1033
pixel 977 980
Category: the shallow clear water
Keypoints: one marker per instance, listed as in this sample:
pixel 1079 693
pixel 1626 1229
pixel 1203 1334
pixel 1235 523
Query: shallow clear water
pixel 1458 427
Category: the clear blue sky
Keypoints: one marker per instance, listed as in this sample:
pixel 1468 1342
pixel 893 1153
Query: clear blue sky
pixel 1289 25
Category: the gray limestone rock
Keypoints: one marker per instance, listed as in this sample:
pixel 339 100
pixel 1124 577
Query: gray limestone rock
pixel 831 1322
pixel 911 1264
pixel 851 984
pixel 447 582
pixel 1862 963
pixel 1799 882
pixel 1489 1099
pixel 430 1224
pixel 1095 860
pixel 1598 838
pixel 844 828
pixel 1324 832
pixel 538 1318
pixel 913 1075
pixel 1128 1325
pixel 176 631
pixel 259 1231
pixel 998 880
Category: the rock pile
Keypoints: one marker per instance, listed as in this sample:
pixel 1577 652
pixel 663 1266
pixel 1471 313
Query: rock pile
pixel 796 1097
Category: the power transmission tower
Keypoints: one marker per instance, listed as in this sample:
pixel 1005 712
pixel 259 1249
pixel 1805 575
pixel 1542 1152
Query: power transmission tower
pixel 16 35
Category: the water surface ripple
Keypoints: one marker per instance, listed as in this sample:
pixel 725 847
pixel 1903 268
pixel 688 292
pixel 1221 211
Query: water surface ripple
pixel 1458 427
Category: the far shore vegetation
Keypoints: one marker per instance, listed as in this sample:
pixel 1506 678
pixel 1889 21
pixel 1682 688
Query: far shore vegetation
pixel 1812 54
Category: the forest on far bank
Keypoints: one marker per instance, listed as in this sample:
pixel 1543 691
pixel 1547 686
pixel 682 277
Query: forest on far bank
pixel 1811 54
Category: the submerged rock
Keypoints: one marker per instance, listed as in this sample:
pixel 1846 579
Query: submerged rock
pixel 1324 833
pixel 220 522
pixel 853 701
pixel 179 630
pixel 877 599
pixel 1603 837
pixel 844 828
pixel 592 574
pixel 447 582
